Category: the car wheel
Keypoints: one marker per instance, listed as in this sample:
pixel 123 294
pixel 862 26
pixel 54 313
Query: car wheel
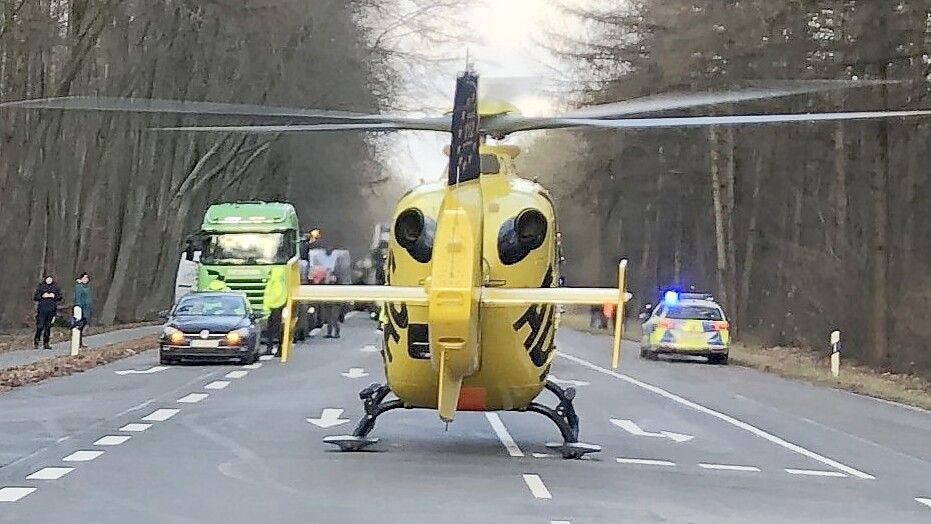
pixel 719 360
pixel 163 360
pixel 644 353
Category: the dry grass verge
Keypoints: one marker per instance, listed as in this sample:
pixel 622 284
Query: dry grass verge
pixel 22 338
pixel 67 365
pixel 799 364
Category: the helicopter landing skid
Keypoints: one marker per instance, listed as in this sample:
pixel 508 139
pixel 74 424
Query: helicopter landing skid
pixel 566 419
pixel 373 401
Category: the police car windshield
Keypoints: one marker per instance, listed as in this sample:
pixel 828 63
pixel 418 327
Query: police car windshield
pixel 249 248
pixel 685 312
pixel 211 306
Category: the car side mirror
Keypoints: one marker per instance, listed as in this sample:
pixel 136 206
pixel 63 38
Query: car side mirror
pixel 164 314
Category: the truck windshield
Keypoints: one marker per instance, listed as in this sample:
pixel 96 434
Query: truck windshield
pixel 249 248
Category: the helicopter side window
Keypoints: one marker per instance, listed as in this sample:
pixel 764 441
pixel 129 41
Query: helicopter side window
pixel 490 164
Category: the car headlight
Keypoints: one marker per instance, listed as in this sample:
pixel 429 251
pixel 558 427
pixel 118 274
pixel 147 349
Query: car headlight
pixel 174 335
pixel 235 337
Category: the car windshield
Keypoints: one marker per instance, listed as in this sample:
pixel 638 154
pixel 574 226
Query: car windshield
pixel 214 305
pixel 694 313
pixel 249 248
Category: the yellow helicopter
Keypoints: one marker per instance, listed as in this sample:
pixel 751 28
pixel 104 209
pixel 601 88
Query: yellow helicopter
pixel 472 274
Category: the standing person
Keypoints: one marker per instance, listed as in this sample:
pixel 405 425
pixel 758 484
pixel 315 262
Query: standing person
pixel 47 296
pixel 82 299
pixel 332 313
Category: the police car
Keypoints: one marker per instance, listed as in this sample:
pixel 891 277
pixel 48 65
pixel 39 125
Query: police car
pixel 688 324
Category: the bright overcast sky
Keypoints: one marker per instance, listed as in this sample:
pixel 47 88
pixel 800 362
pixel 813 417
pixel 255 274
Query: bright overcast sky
pixel 512 66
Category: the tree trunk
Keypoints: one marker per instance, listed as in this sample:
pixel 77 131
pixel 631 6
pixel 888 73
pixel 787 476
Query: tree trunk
pixel 719 218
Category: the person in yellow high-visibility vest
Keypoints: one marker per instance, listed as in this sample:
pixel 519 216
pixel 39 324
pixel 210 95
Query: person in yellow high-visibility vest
pixel 273 301
pixel 218 285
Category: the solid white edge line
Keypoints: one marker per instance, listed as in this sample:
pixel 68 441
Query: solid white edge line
pixel 193 398
pixel 726 418
pixel 83 455
pixel 503 435
pixel 815 473
pixel 236 374
pixel 135 427
pixel 49 474
pixel 729 467
pixel 217 384
pixel 560 522
pixel 160 415
pixel 644 462
pixel 112 440
pixel 922 500
pixel 14 493
pixel 537 488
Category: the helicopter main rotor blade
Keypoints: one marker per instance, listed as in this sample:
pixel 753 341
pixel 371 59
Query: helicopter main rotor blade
pixel 696 121
pixel 668 101
pixel 423 124
pixel 184 107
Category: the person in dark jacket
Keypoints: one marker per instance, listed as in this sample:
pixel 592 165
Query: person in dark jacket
pixel 47 296
pixel 82 299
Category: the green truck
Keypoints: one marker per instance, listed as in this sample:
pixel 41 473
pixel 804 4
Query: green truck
pixel 251 247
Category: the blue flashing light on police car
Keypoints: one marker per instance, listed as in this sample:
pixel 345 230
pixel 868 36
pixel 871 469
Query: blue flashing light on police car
pixel 671 297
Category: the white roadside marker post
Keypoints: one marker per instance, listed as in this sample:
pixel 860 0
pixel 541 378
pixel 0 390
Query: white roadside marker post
pixel 835 353
pixel 76 331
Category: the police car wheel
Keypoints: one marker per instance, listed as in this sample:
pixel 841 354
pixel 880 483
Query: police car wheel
pixel 719 360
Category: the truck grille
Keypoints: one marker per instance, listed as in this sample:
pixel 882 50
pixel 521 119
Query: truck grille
pixel 252 287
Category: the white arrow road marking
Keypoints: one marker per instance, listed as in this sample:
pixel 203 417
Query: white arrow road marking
pixel 217 384
pixel 503 435
pixel 723 417
pixel 193 398
pixel 926 502
pixel 82 456
pixel 112 440
pixel 49 474
pixel 355 373
pixel 632 428
pixel 10 494
pixel 236 374
pixel 160 415
pixel 535 483
pixel 329 418
pixel 136 428
pixel 153 369
pixel 568 382
pixel 370 349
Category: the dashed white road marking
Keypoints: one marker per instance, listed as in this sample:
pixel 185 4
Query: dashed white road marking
pixel 12 494
pixel 135 427
pixel 926 502
pixel 503 435
pixel 112 440
pixel 726 418
pixel 729 467
pixel 83 456
pixel 645 462
pixel 535 483
pixel 560 522
pixel 236 374
pixel 193 398
pixel 49 474
pixel 815 473
pixel 266 357
pixel 370 348
pixel 254 365
pixel 542 455
pixel 217 384
pixel 153 369
pixel 160 415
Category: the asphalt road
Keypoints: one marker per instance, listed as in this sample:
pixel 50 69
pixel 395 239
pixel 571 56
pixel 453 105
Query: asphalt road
pixel 683 442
